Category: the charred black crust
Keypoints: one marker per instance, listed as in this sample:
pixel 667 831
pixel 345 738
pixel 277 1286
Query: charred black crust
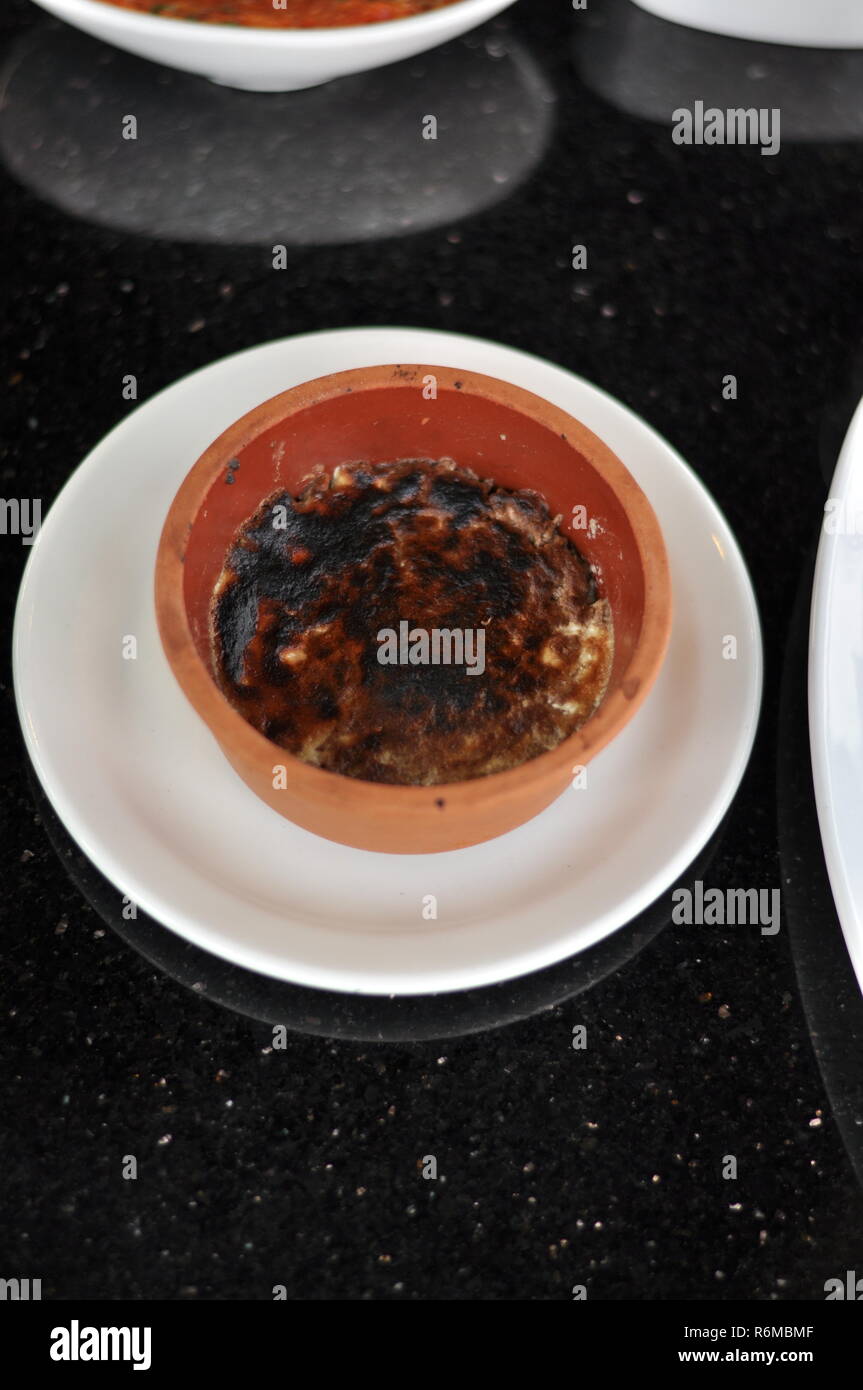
pixel 418 540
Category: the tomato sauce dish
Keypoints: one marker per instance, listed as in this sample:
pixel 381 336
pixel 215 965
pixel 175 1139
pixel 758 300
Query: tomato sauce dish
pixel 257 46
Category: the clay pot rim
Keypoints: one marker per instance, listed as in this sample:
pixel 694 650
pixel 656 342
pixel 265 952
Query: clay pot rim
pixel 231 729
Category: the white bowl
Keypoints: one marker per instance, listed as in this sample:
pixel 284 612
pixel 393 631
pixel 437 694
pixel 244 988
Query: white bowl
pixel 807 23
pixel 271 60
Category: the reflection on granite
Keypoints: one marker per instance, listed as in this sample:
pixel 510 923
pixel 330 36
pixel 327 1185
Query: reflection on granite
pixel 362 1018
pixel 837 416
pixel 828 985
pixel 343 162
pixel 648 67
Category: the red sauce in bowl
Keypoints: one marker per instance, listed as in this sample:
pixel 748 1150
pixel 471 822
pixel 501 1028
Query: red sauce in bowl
pixel 297 14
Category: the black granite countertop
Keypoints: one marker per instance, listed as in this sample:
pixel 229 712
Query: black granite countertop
pixel 260 1167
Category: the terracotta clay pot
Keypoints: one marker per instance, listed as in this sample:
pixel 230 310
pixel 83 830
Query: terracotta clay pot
pixel 381 414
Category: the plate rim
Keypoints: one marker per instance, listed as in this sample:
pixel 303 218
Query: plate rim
pixel 821 623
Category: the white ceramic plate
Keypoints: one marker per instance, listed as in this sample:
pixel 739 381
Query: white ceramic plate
pixel 806 23
pixel 836 688
pixel 271 60
pixel 142 786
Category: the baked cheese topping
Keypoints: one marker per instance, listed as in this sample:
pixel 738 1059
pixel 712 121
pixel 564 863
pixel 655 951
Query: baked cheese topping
pixel 409 623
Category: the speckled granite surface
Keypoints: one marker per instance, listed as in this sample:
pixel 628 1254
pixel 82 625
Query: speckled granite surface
pixel 299 1167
